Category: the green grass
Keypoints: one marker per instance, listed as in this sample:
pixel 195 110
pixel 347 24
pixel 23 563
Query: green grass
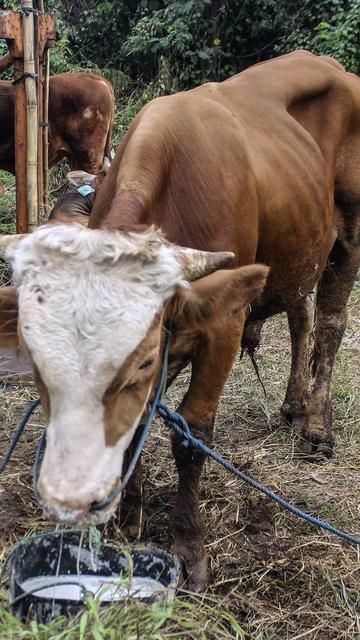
pixel 191 617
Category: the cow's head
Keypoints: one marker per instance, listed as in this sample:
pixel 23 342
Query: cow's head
pixel 91 308
pixel 80 137
pixel 80 177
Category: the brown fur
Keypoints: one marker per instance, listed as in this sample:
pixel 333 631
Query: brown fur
pixel 129 389
pixel 8 317
pixel 83 141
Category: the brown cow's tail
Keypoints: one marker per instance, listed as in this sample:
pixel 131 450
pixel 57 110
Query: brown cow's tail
pixel 107 149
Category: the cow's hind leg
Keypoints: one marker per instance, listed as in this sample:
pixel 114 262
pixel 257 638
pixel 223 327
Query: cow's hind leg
pixel 210 368
pixel 330 323
pixel 301 321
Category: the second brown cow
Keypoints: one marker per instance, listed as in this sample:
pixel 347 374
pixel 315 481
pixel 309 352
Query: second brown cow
pixel 81 113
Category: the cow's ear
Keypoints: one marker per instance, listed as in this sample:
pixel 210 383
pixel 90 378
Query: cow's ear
pixel 79 178
pixel 8 317
pixel 217 297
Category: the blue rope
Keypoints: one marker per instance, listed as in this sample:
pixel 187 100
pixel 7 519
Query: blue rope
pixel 18 433
pixel 175 421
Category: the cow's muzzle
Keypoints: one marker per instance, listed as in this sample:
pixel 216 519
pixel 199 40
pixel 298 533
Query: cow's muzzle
pixel 78 518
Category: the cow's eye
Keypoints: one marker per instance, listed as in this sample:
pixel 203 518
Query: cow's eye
pixel 147 363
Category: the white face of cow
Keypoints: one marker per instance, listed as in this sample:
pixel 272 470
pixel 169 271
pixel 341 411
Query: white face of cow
pixel 90 312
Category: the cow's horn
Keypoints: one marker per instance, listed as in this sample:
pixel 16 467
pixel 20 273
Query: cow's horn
pixel 10 242
pixel 200 263
pixel 106 164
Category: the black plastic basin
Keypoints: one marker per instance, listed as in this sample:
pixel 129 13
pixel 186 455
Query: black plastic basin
pixel 52 575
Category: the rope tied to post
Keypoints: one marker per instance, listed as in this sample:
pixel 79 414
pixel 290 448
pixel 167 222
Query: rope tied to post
pixel 27 11
pixel 25 75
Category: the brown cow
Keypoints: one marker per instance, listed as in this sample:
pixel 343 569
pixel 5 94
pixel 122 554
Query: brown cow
pixel 81 112
pixel 264 165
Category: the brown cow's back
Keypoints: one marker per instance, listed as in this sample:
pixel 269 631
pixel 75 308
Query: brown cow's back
pixel 222 167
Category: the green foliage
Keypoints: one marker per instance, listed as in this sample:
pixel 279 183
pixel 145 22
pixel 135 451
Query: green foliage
pixel 327 27
pixel 193 618
pixel 181 43
pixel 200 40
pixel 186 34
pixel 192 40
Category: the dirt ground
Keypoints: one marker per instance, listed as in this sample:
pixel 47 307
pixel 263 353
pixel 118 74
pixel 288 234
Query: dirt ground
pixel 283 578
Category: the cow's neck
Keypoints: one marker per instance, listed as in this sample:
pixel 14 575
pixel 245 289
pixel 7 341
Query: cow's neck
pixel 132 190
pixel 128 210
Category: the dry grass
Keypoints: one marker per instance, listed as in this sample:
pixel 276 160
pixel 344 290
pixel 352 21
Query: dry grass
pixel 278 576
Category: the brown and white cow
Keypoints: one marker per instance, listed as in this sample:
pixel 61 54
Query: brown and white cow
pixel 264 165
pixel 81 112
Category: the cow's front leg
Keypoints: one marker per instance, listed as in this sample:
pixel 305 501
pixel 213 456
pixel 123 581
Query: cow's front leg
pixel 210 368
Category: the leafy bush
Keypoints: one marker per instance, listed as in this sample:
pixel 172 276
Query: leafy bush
pixel 330 27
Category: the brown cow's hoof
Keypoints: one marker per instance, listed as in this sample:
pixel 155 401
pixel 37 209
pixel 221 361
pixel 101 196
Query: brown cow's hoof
pixel 316 450
pixel 196 573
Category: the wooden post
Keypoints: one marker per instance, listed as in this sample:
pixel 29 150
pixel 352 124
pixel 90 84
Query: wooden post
pixel 11 31
pixel 45 40
pixel 32 115
pixel 46 129
pixel 20 148
pixel 17 28
pixel 39 86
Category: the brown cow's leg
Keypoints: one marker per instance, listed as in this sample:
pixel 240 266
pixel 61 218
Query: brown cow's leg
pixel 300 318
pixel 210 368
pixel 330 323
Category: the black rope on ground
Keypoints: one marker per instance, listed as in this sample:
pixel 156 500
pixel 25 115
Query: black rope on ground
pixel 175 421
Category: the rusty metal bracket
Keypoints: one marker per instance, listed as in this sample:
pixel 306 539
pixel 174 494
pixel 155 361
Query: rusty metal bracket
pixel 11 31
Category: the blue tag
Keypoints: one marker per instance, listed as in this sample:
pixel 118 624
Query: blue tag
pixel 85 190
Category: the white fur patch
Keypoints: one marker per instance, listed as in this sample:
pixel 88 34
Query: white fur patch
pixel 87 299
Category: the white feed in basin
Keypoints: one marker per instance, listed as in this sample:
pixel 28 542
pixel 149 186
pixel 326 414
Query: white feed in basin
pixel 104 588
